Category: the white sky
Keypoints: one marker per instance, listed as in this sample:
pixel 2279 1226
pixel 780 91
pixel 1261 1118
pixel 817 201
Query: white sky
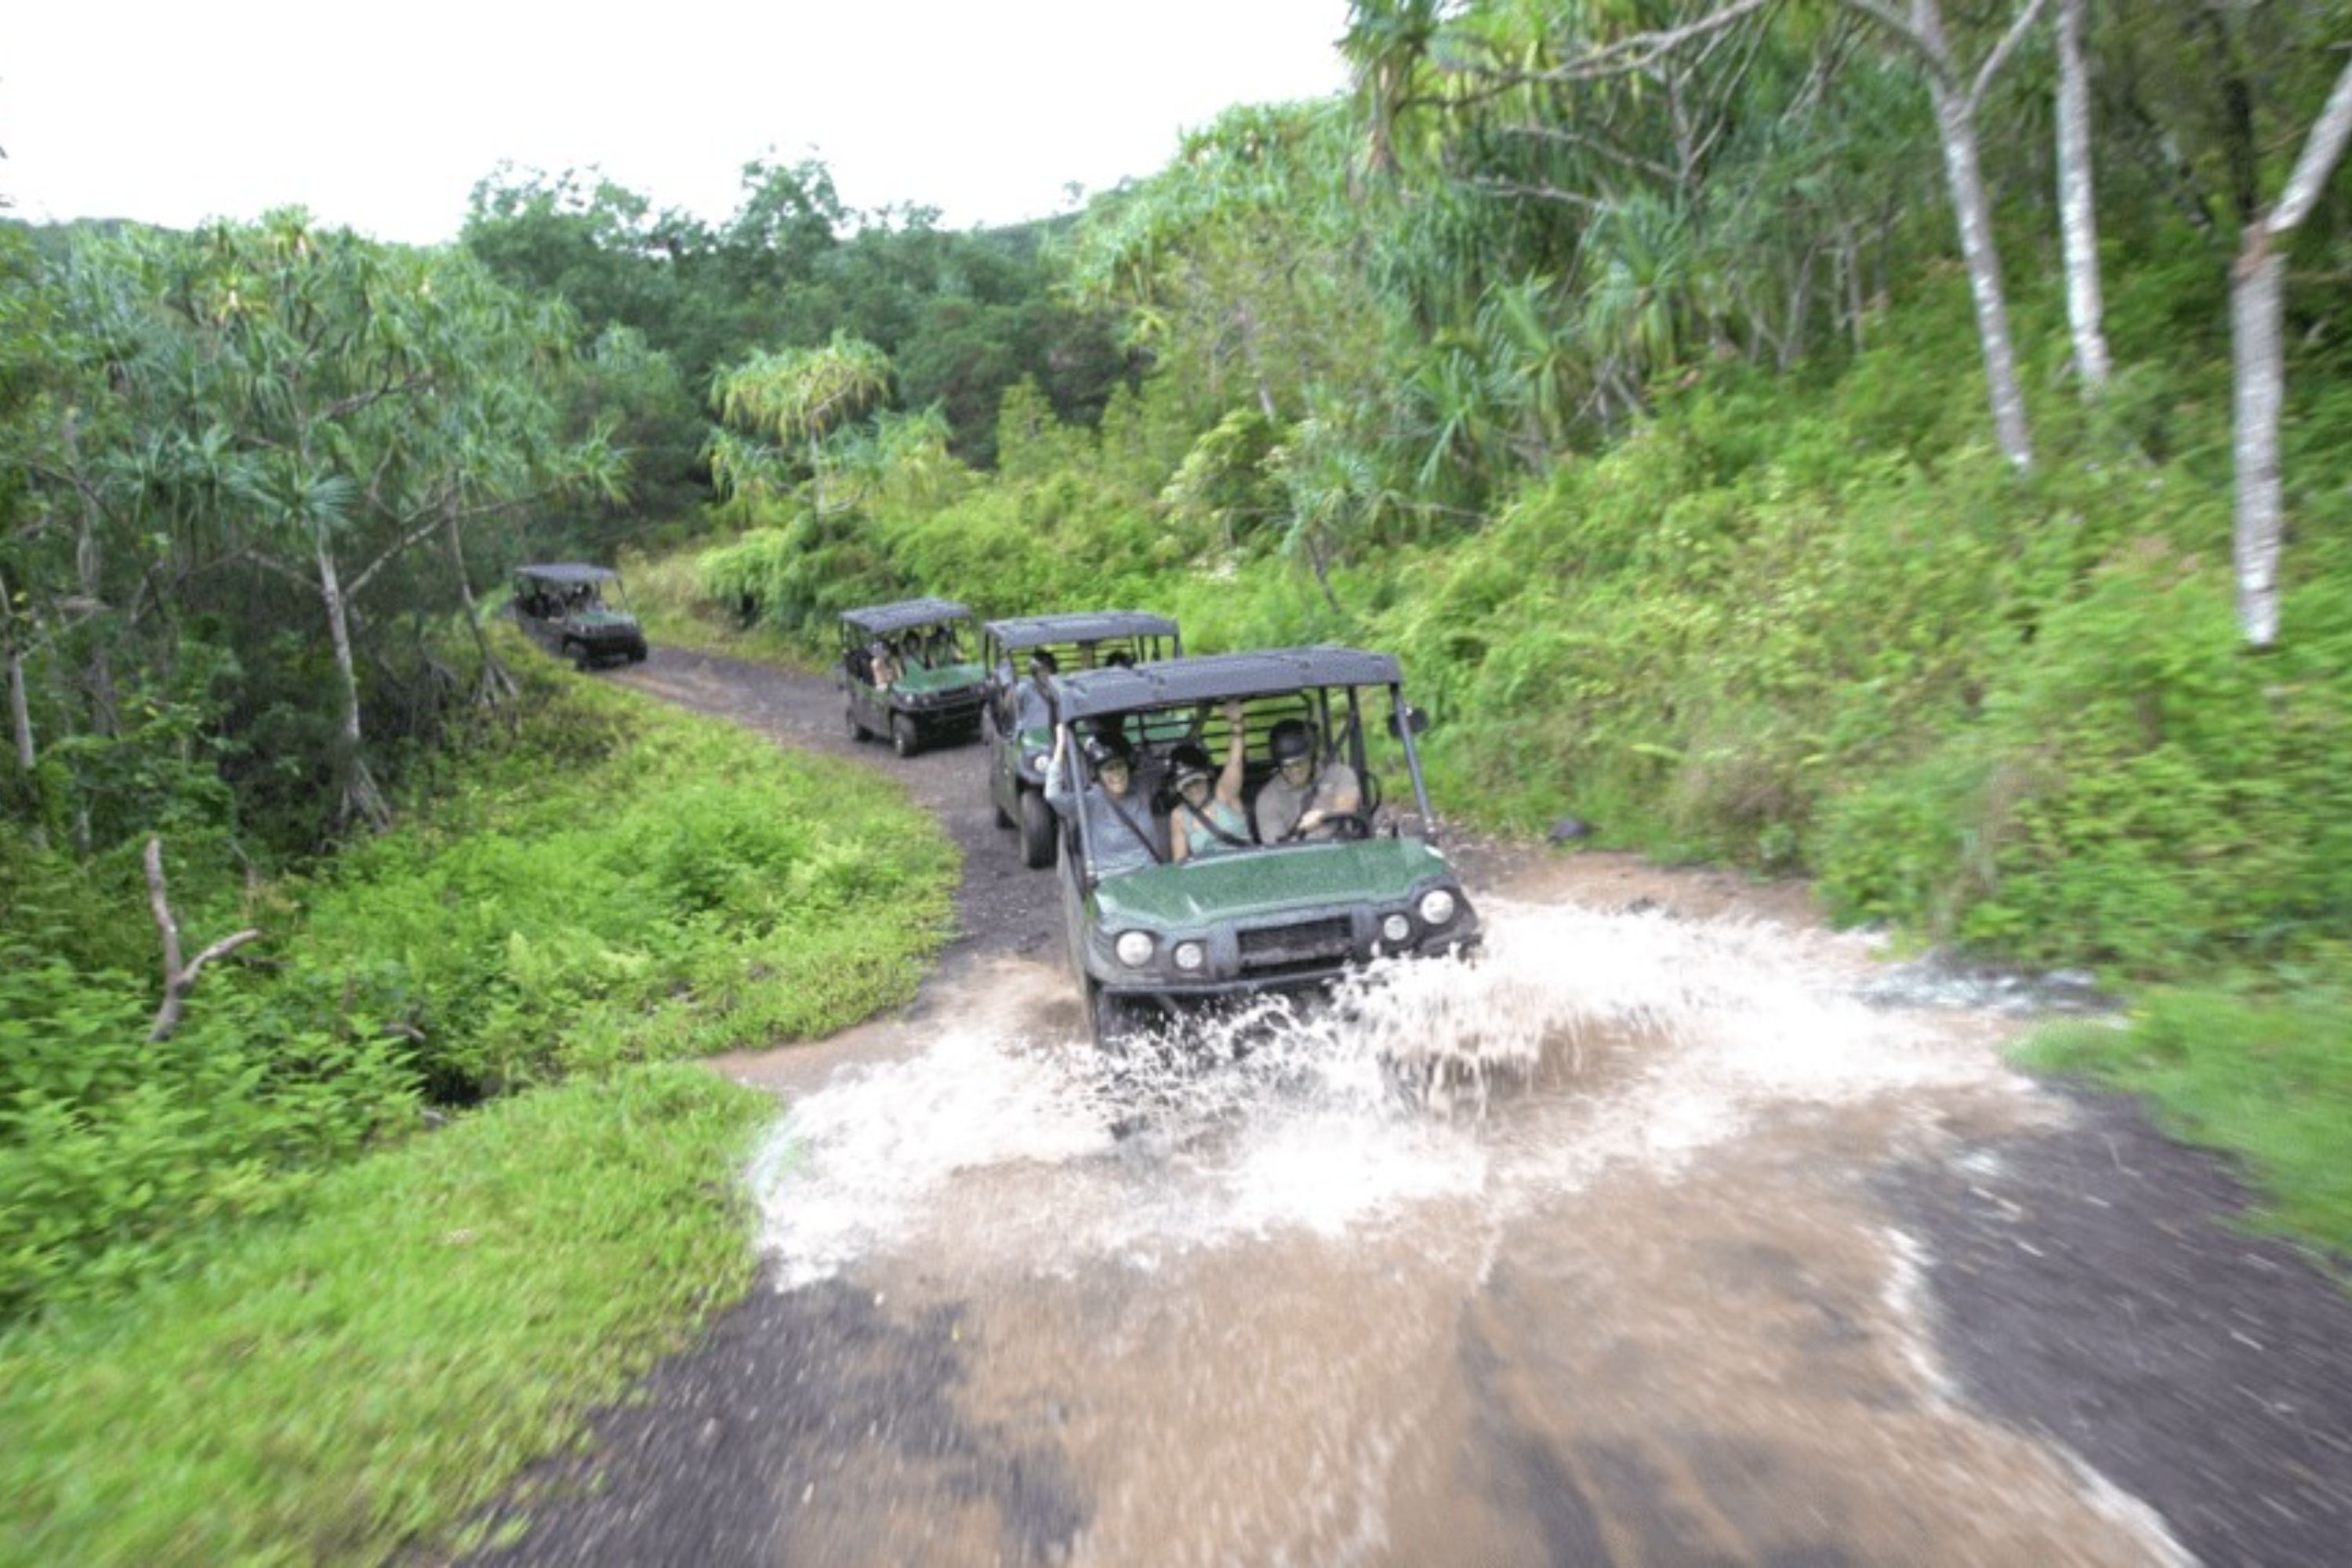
pixel 383 117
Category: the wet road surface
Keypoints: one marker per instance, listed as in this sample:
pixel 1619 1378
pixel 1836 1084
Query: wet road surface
pixel 1725 1240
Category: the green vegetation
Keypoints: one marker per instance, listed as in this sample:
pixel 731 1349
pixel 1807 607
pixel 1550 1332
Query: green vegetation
pixel 606 882
pixel 356 1382
pixel 1616 366
pixel 259 1315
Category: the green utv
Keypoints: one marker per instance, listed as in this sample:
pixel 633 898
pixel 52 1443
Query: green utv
pixel 562 608
pixel 1293 867
pixel 1020 655
pixel 907 674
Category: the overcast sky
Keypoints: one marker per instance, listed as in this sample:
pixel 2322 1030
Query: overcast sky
pixel 383 117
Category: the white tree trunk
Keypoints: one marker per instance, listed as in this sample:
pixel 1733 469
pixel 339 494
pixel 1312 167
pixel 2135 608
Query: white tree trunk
pixel 2258 366
pixel 2257 371
pixel 361 797
pixel 20 711
pixel 1956 129
pixel 2078 209
pixel 20 718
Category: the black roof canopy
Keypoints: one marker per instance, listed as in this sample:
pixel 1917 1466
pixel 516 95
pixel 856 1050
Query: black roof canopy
pixel 568 573
pixel 1090 625
pixel 1219 676
pixel 881 620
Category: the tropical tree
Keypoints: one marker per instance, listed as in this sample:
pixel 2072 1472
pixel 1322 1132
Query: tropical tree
pixel 800 399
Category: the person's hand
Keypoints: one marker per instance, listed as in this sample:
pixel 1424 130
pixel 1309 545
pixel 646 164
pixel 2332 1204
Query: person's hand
pixel 1310 819
pixel 1233 716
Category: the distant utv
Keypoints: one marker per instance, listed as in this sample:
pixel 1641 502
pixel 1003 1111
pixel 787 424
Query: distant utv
pixel 579 612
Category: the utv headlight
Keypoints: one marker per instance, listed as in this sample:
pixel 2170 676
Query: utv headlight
pixel 1189 956
pixel 1134 948
pixel 1437 907
pixel 1396 927
pixel 1038 760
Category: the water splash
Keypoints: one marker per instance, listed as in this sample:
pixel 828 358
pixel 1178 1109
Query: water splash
pixel 1576 1041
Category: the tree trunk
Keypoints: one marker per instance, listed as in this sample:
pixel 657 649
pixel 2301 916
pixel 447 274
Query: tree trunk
pixel 1956 129
pixel 361 799
pixel 2258 368
pixel 2078 210
pixel 495 687
pixel 2258 371
pixel 90 575
pixel 20 725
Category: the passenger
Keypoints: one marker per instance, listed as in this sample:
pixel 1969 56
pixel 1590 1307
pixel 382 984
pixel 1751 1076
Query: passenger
pixel 1204 824
pixel 1033 706
pixel 884 663
pixel 940 649
pixel 1298 803
pixel 1117 826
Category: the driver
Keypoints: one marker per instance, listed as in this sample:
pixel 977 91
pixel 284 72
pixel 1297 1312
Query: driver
pixel 1118 827
pixel 1298 803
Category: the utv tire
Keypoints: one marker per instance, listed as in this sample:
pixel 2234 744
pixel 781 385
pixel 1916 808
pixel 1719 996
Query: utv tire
pixel 903 738
pixel 858 732
pixel 1115 1020
pixel 579 657
pixel 1036 831
pixel 637 655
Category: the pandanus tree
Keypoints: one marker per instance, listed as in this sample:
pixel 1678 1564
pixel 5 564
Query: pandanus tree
pixel 374 398
pixel 280 403
pixel 800 400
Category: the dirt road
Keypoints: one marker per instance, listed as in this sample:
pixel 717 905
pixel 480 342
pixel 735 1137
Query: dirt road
pixel 1753 1252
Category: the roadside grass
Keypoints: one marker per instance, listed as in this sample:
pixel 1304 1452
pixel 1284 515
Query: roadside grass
pixel 365 1378
pixel 383 1328
pixel 633 883
pixel 2265 1076
pixel 666 592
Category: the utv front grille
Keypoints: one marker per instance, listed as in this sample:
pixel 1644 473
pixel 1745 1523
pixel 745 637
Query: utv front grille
pixel 1282 947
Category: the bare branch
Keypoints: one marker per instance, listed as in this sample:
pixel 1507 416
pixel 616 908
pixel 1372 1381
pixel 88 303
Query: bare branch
pixel 2001 52
pixel 415 381
pixel 1894 21
pixel 178 981
pixel 1538 193
pixel 1627 56
pixel 392 550
pixel 1594 144
pixel 2320 150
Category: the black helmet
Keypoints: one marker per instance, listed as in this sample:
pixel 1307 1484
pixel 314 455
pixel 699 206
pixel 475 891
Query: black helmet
pixel 1187 762
pixel 1118 659
pixel 1042 662
pixel 1108 746
pixel 1290 741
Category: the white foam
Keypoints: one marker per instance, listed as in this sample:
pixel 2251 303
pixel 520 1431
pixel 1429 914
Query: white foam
pixel 1666 1037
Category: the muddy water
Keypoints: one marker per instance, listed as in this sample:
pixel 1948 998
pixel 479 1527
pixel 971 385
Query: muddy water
pixel 1568 1255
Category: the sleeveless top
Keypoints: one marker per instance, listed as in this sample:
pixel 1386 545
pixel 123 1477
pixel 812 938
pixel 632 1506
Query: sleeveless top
pixel 1199 842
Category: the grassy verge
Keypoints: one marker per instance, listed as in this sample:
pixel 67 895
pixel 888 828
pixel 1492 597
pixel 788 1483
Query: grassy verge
pixel 2266 1078
pixel 330 1389
pixel 236 1343
pixel 666 592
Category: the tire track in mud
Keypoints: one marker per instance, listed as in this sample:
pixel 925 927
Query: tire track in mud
pixel 1731 1287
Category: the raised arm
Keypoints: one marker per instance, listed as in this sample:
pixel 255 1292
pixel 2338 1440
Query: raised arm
pixel 1229 783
